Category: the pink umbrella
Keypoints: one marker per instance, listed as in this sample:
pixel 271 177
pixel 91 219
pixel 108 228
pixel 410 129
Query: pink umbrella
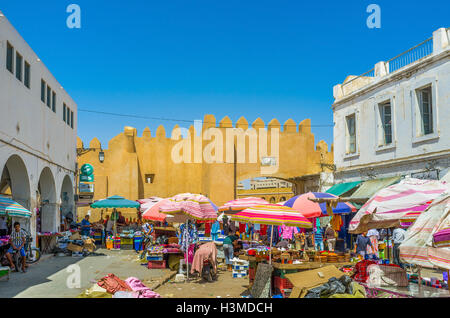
pixel 195 206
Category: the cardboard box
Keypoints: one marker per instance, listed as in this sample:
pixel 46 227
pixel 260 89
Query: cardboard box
pixel 74 248
pixel 75 236
pixel 306 280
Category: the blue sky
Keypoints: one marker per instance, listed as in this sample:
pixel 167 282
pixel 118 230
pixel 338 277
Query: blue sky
pixel 183 59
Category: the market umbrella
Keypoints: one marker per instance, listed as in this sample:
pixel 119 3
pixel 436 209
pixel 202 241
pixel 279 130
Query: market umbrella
pixel 114 202
pixel 12 208
pixel 241 204
pixel 272 214
pixel 195 206
pixel 150 209
pixel 310 209
pixel 389 207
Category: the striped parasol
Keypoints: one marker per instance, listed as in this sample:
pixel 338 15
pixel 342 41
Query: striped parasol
pixel 195 206
pixel 241 204
pixel 272 214
pixel 12 208
pixel 399 203
pixel 150 209
pixel 310 209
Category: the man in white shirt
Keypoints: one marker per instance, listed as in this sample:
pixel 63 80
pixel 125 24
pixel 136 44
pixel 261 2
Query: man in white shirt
pixel 398 236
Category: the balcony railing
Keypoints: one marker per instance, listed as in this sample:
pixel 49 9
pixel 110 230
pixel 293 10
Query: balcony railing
pixel 412 55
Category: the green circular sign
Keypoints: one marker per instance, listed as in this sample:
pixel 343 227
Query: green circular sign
pixel 87 169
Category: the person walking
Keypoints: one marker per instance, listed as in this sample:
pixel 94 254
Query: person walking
pixel 228 249
pixel 318 239
pixel 362 241
pixel 330 235
pixel 374 236
pixel 398 237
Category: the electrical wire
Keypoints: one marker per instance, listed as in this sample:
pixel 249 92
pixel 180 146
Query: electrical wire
pixel 168 119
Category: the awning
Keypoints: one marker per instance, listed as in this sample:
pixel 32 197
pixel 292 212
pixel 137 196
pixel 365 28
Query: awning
pixel 370 187
pixel 12 208
pixel 342 188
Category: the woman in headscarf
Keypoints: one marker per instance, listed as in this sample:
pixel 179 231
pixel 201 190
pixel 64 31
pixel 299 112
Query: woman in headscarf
pixel 374 236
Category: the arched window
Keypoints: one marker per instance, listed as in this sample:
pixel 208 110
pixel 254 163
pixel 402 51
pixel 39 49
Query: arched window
pixel 272 200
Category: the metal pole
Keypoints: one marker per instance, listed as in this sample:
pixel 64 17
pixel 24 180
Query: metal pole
pixel 234 167
pixel 270 251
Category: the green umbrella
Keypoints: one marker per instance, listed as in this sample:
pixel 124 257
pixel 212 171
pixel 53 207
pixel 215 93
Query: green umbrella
pixel 115 202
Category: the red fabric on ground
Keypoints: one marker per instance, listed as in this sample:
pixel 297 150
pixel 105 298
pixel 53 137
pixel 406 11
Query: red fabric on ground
pixel 113 284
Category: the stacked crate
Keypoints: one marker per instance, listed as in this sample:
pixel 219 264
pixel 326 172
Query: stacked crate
pixel 240 268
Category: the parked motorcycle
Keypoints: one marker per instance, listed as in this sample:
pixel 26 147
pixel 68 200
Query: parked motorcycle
pixel 208 272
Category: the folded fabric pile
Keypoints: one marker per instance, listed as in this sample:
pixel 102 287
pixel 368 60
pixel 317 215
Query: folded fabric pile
pixel 132 287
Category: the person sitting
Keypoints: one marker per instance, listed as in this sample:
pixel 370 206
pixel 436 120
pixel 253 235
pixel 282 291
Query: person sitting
pixel 86 226
pixel 17 241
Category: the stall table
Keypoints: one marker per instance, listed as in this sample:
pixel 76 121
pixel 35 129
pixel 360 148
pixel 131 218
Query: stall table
pixel 47 242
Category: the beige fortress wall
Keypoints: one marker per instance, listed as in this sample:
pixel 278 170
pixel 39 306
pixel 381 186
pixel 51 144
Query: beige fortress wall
pixel 130 157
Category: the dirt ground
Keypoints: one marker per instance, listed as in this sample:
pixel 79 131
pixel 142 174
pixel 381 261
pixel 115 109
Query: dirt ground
pixel 224 287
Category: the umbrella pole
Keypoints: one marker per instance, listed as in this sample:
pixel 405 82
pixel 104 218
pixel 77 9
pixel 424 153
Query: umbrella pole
pixel 270 251
pixel 187 257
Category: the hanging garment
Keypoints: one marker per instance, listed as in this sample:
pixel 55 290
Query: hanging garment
pixel 257 227
pixel 207 229
pixel 263 229
pixel 336 222
pixel 276 236
pixel 287 232
pixel 241 227
pixel 226 226
pixel 374 248
pixel 188 235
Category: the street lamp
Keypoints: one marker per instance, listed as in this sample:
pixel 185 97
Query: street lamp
pixel 101 156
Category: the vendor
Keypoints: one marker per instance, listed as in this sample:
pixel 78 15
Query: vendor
pixel 228 248
pixel 85 226
pixel 109 226
pixel 330 235
pixel 362 241
pixel 3 226
pixel 121 220
pixel 17 241
pixel 318 239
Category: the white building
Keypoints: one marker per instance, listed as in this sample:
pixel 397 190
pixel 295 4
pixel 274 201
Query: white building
pixel 38 121
pixel 395 119
pixel 268 183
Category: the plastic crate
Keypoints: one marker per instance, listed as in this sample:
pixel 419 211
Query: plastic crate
pixel 156 264
pixel 237 275
pixel 240 267
pixel 126 247
pixel 154 257
pixel 282 283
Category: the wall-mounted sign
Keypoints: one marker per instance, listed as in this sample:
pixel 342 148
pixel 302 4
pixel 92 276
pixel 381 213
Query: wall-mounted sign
pixel 426 175
pixel 86 187
pixel 87 173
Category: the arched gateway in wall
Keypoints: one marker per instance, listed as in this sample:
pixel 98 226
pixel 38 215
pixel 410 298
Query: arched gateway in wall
pixel 158 165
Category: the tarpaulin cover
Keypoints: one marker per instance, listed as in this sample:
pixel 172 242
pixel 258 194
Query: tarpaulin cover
pixel 388 206
pixel 341 188
pixel 418 247
pixel 370 187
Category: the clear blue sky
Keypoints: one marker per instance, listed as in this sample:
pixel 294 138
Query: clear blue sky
pixel 183 59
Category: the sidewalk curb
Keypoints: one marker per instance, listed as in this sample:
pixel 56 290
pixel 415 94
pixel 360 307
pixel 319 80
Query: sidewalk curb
pixel 163 281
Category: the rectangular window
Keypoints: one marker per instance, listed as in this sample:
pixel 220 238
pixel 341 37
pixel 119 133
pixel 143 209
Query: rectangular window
pixel 64 112
pixel 426 111
pixel 27 74
pixel 54 102
pixel 49 95
pixel 351 134
pixel 68 116
pixel 9 57
pixel 149 178
pixel 386 122
pixel 19 63
pixel 71 119
pixel 42 90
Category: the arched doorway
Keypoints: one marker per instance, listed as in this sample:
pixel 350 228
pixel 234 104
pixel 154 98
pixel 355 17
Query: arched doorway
pixel 67 198
pixel 46 220
pixel 14 183
pixel 270 189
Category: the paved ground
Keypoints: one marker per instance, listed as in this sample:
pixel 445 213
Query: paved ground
pixel 225 287
pixel 48 278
